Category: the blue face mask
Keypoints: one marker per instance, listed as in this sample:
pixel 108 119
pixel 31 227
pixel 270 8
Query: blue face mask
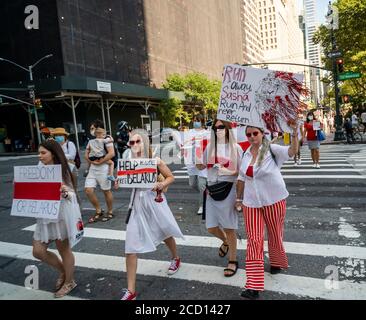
pixel 60 139
pixel 196 124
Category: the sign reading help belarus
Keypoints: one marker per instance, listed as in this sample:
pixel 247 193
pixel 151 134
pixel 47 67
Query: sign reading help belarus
pixel 261 98
pixel 137 173
pixel 37 191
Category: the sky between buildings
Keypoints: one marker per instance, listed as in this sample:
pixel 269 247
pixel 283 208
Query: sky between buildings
pixel 321 9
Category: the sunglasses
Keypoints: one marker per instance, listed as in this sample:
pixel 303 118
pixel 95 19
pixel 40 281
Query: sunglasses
pixel 219 127
pixel 255 133
pixel 132 142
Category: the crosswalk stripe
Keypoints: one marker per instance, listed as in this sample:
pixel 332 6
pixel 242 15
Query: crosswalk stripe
pixel 311 249
pixel 287 284
pixel 10 291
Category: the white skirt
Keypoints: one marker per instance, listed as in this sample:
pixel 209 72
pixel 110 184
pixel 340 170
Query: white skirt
pixel 222 213
pixel 48 230
pixel 150 223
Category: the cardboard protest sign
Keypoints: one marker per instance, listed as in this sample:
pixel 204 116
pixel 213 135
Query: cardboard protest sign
pixel 263 98
pixel 37 191
pixel 316 125
pixel 137 173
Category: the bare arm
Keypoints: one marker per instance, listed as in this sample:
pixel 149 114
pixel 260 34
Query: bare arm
pixel 239 195
pixel 168 175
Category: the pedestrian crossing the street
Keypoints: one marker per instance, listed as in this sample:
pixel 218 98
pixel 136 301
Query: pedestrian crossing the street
pixel 318 268
pixel 333 165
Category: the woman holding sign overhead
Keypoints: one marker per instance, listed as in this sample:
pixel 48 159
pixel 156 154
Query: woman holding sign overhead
pixel 151 220
pixel 66 229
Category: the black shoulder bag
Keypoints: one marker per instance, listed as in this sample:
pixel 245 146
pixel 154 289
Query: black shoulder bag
pixel 221 190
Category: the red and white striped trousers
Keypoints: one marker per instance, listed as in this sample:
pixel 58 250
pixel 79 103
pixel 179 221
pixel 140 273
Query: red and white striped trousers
pixel 274 217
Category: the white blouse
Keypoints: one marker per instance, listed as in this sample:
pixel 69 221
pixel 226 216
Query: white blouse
pixel 267 185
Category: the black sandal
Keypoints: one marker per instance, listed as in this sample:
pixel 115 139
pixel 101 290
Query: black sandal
pixel 97 217
pixel 108 217
pixel 222 252
pixel 231 270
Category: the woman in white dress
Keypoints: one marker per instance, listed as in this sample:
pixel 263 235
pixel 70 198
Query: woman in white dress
pixel 47 230
pixel 222 160
pixel 151 221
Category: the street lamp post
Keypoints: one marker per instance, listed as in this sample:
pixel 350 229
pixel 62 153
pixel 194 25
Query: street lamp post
pixel 31 90
pixel 331 16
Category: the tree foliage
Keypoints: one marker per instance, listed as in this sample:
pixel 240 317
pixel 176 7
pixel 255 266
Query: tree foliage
pixel 351 41
pixel 199 90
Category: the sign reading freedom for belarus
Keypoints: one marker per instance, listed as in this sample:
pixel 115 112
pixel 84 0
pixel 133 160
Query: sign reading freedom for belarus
pixel 262 98
pixel 37 191
pixel 137 173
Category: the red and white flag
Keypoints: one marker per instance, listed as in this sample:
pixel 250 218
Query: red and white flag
pixel 37 191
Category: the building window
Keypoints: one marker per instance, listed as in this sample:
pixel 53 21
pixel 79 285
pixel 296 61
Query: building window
pixel 264 3
pixel 265 11
pixel 261 28
pixel 260 19
pixel 265 18
pixel 271 40
pixel 266 41
pixel 275 39
pixel 274 32
pixel 271 47
pixel 269 10
pixel 270 25
pixel 266 27
pixel 274 24
pixel 271 33
pixel 274 17
pixel 273 9
pixel 266 48
pixel 270 18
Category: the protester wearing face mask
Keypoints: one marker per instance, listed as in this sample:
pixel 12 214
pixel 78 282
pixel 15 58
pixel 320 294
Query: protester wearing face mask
pixel 196 139
pixel 68 147
pixel 311 136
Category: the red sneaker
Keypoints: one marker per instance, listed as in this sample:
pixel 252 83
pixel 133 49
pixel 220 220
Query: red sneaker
pixel 174 266
pixel 128 295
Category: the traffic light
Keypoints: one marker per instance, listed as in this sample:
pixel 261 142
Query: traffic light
pixel 38 103
pixel 340 65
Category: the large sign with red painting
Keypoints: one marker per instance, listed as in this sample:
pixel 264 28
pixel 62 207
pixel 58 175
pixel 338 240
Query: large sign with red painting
pixel 262 98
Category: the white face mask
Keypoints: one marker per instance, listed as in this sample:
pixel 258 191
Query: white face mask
pixel 310 118
pixel 220 134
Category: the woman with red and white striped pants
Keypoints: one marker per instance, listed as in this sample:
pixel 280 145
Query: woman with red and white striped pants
pixel 261 184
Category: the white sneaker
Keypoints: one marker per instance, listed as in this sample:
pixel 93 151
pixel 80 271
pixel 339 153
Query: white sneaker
pixel 314 165
pixel 295 164
pixel 299 161
pixel 318 166
pixel 200 210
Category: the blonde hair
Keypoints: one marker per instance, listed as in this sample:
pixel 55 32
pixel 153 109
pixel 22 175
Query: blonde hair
pixel 147 151
pixel 265 146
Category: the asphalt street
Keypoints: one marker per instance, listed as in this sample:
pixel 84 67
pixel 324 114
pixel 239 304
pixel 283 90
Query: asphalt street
pixel 325 237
